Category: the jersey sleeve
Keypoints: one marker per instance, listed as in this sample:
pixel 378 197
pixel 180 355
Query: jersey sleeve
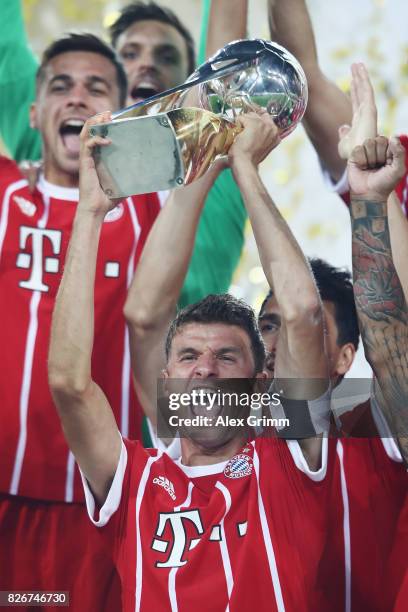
pixel 301 463
pixel 388 442
pixel 18 67
pixel 341 187
pixel 131 453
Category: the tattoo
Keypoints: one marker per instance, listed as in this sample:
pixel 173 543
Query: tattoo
pixel 382 311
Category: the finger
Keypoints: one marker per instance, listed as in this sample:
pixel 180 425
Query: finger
pixel 97 141
pixel 240 122
pixel 358 157
pixel 370 150
pixel 353 92
pixel 366 91
pixel 355 102
pixel 268 121
pixel 381 143
pixel 100 118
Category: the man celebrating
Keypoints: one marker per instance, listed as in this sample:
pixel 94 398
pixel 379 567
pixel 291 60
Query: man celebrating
pixel 78 77
pixel 204 522
pixel 157 52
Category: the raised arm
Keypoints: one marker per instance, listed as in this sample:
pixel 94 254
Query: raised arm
pixel 300 351
pixel 374 170
pixel 227 22
pixel 364 126
pixel 301 366
pixel 86 417
pixel 156 286
pixel 328 107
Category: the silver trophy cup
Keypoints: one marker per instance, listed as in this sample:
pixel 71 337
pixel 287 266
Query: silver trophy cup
pixel 158 145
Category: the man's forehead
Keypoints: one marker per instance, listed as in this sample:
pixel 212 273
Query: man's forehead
pixel 152 32
pixel 83 64
pixel 215 334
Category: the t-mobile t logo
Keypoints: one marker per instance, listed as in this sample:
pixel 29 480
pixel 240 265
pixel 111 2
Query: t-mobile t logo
pixel 36 261
pixel 177 522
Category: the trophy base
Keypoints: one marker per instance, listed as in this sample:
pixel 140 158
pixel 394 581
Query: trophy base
pixel 144 156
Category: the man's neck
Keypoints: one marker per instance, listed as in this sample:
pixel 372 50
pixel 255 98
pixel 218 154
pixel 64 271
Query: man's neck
pixel 193 454
pixel 61 179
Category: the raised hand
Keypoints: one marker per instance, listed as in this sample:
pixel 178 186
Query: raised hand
pixel 257 139
pixel 376 167
pixel 364 122
pixel 91 196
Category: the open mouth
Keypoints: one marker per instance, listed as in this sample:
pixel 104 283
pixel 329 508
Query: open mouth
pixel 142 93
pixel 205 402
pixel 70 131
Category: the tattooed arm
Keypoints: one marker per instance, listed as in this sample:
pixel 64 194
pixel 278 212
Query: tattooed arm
pixel 374 170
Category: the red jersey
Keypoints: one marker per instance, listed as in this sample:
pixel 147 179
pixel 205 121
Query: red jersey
pixel 247 534
pixel 34 233
pixel 369 485
pixel 398 567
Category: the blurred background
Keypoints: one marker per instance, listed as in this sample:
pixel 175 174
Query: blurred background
pixel 372 31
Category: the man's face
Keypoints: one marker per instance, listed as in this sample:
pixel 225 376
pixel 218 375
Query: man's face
pixel 201 355
pixel 77 85
pixel 154 56
pixel 270 323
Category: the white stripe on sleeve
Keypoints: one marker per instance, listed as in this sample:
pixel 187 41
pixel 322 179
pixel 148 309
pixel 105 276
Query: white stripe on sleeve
pixel 301 463
pixel 115 493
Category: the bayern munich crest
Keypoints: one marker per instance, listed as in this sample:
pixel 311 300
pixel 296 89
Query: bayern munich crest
pixel 238 467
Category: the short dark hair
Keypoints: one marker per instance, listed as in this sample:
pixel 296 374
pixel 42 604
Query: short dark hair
pixel 144 11
pixel 335 286
pixel 224 309
pixel 84 42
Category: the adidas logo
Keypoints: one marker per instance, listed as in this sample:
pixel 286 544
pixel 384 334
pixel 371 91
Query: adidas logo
pixel 166 484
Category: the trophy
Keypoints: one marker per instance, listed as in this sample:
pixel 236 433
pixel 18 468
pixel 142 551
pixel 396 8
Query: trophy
pixel 159 144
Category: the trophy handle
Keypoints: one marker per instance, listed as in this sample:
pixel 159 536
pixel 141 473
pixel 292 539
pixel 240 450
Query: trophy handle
pixel 154 106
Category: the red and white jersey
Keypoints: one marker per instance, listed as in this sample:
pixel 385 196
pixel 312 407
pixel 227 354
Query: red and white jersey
pixel 342 187
pixel 34 233
pixel 369 486
pixel 247 534
pixel 397 577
